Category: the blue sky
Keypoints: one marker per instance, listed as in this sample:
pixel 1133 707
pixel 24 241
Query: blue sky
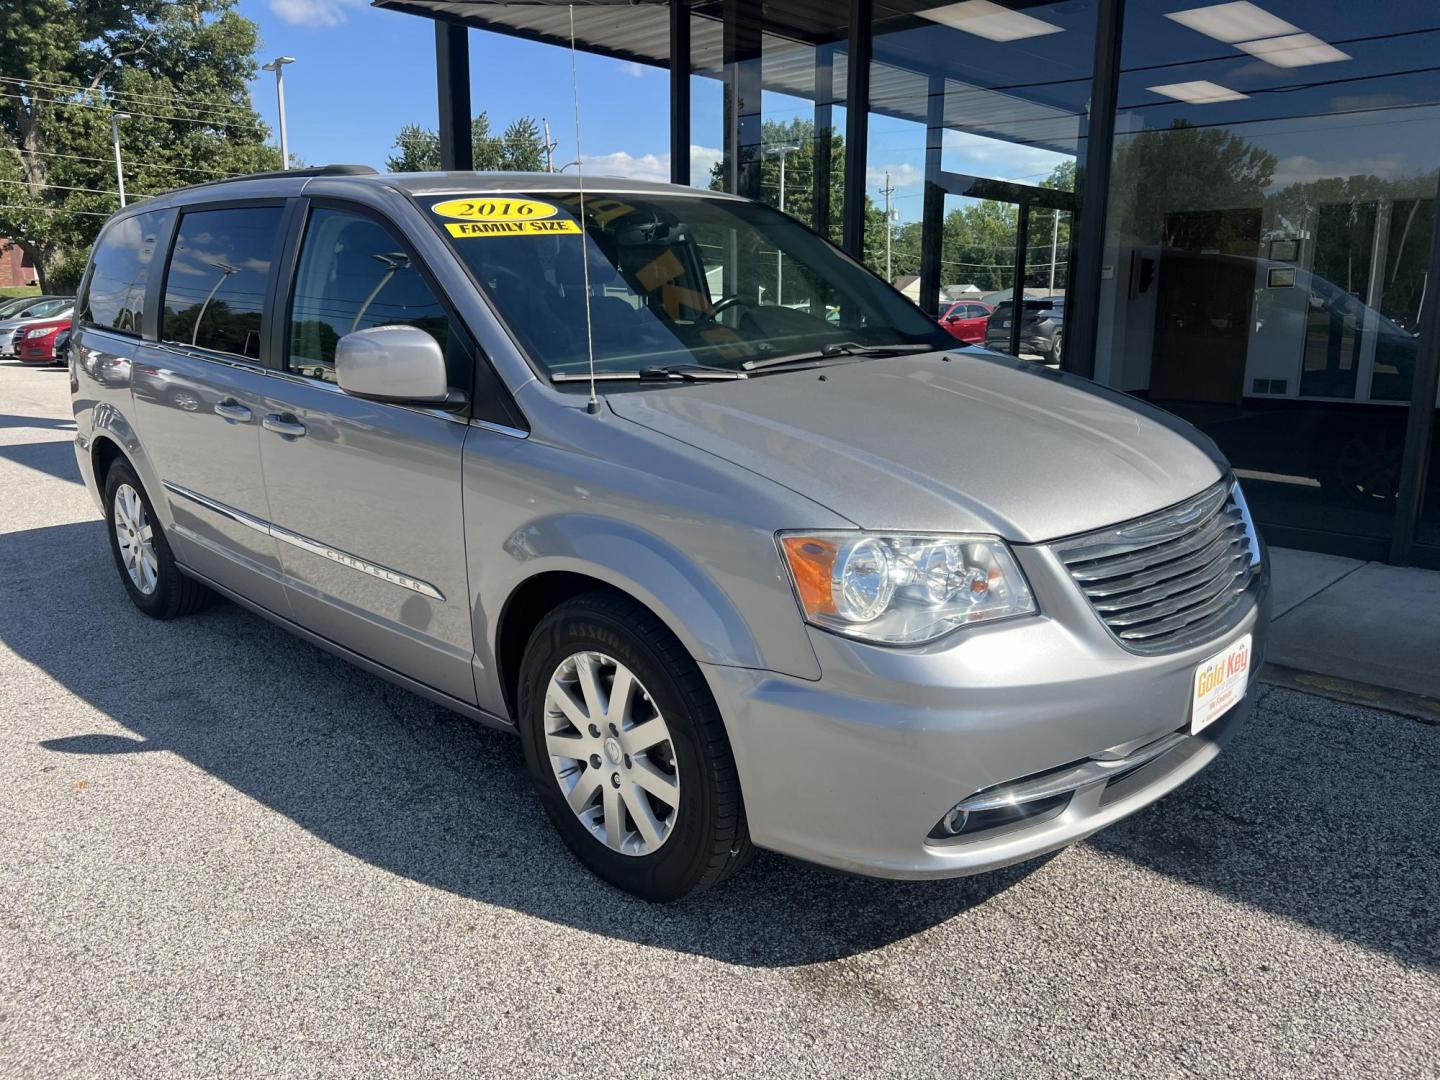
pixel 361 74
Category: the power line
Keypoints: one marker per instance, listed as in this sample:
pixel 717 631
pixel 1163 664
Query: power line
pixel 104 92
pixel 142 164
pixel 64 187
pixel 52 210
pixel 98 108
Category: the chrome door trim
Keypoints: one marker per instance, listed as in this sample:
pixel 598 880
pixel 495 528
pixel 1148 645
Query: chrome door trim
pixel 499 429
pixel 305 543
pixel 220 508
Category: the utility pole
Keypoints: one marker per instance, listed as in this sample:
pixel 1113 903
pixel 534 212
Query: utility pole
pixel 115 119
pixel 549 147
pixel 782 152
pixel 887 191
pixel 1054 242
pixel 277 66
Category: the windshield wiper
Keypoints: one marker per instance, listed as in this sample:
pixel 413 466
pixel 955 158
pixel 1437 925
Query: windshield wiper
pixel 837 349
pixel 666 373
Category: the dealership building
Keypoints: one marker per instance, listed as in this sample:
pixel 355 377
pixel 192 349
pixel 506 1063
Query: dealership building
pixel 1235 200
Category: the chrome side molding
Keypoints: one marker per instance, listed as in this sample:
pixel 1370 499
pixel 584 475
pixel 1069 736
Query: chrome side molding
pixel 305 543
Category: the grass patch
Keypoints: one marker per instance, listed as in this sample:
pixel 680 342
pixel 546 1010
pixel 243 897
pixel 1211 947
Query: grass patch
pixel 7 291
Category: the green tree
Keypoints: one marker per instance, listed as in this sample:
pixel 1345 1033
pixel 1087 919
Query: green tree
pixel 181 72
pixel 1182 167
pixel 520 148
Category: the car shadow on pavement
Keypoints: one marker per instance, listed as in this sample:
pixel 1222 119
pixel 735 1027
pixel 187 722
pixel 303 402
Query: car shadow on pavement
pixel 54 458
pixel 1298 819
pixel 392 779
pixel 36 423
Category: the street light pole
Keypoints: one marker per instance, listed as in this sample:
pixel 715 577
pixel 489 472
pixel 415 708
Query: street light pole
pixel 278 67
pixel 115 119
pixel 887 191
pixel 783 152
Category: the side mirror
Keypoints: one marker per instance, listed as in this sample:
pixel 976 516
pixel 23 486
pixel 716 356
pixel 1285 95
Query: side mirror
pixel 954 316
pixel 393 363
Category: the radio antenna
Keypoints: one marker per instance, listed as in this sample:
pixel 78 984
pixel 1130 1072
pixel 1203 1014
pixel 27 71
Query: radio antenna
pixel 593 405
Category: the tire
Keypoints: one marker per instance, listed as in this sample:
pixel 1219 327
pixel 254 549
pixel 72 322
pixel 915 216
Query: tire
pixel 1055 348
pixel 170 594
pixel 706 840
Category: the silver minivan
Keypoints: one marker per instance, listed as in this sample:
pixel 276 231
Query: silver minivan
pixel 745 547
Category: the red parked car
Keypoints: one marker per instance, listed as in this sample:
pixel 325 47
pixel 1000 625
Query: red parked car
pixel 966 320
pixel 35 344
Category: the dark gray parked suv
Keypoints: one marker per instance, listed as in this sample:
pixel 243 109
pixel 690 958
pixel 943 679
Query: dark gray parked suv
pixel 1042 328
pixel 724 527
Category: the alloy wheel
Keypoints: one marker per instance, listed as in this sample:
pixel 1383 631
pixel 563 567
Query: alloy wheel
pixel 611 753
pixel 137 539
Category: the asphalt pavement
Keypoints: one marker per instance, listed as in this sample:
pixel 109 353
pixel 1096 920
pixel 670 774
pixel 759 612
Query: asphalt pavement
pixel 226 853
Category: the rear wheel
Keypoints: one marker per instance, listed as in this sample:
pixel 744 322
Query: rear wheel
pixel 142 554
pixel 628 752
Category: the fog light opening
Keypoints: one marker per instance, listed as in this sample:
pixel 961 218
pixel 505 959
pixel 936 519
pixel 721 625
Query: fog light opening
pixel 953 823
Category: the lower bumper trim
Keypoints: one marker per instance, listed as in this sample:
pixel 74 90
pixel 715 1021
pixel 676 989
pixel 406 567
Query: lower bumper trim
pixel 1097 770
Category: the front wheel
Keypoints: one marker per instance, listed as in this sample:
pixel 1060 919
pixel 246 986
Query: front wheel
pixel 142 553
pixel 628 752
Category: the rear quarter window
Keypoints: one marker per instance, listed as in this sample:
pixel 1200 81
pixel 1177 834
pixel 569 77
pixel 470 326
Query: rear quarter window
pixel 120 272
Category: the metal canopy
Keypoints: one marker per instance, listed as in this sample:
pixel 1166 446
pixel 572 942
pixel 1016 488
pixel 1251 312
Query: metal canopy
pixel 639 31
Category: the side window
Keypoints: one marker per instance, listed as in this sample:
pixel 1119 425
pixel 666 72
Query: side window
pixel 354 274
pixel 215 287
pixel 123 255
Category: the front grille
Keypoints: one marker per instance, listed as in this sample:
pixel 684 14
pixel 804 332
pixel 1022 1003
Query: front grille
pixel 1173 579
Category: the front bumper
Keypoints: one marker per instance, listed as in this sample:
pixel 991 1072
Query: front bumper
pixel 855 770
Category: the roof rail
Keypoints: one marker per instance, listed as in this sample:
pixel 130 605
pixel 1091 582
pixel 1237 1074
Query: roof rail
pixel 314 170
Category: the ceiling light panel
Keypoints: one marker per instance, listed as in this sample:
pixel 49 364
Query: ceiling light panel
pixel 1233 23
pixel 1201 92
pixel 1294 50
pixel 990 21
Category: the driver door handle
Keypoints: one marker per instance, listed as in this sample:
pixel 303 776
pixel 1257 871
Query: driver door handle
pixel 231 409
pixel 285 425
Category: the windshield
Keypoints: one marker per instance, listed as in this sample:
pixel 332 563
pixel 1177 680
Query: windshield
pixel 673 280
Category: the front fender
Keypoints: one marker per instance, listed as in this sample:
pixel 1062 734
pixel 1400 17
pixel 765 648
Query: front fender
pixel 655 572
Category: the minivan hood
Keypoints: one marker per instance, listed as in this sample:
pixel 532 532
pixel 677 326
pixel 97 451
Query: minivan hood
pixel 972 443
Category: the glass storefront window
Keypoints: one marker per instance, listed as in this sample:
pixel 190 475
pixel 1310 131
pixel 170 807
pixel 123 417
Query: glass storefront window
pixel 977 116
pixel 1268 235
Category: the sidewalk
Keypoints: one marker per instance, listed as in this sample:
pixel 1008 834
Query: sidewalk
pixel 1340 621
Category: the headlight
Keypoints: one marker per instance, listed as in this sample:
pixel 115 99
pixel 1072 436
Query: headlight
pixel 903 588
pixel 38 333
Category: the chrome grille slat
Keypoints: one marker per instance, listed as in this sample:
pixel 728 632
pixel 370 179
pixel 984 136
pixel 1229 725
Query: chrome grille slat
pixel 1199 580
pixel 1170 580
pixel 1217 549
pixel 1115 565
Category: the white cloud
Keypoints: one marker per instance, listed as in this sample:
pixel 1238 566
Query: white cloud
pixel 1303 169
pixel 651 166
pixel 314 12
pixel 702 160
pixel 621 163
pixel 902 175
pixel 965 152
pixel 632 69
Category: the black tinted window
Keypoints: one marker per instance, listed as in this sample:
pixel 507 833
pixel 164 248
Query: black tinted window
pixel 215 288
pixel 354 274
pixel 115 299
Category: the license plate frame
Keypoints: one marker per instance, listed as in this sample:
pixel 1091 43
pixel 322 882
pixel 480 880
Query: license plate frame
pixel 1220 683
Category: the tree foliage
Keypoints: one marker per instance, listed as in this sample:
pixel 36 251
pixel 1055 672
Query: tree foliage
pixel 179 70
pixel 520 148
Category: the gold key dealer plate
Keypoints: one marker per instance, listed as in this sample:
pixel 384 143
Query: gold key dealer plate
pixel 1220 683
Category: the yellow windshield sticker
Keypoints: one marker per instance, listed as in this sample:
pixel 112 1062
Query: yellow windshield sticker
pixel 497 208
pixel 510 228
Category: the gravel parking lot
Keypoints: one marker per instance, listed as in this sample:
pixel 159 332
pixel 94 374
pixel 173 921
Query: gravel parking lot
pixel 227 853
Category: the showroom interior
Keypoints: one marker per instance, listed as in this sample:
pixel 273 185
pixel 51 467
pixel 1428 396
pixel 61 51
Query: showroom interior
pixel 1236 201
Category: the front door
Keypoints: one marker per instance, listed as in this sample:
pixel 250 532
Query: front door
pixel 198 398
pixel 365 497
